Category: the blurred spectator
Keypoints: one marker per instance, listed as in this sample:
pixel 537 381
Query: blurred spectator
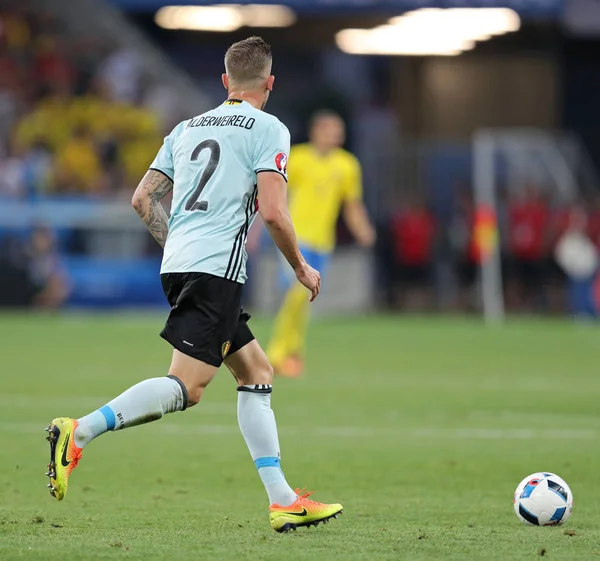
pixel 528 224
pixel 466 253
pixel 99 145
pixel 15 33
pixel 163 102
pixel 139 137
pixel 555 279
pixel 48 122
pixel 14 278
pixel 413 233
pixel 13 176
pixel 578 257
pixel 51 67
pixel 122 72
pixel 78 164
pixel 31 273
pixel 49 286
pixel 9 111
pixel 38 169
pixel 593 223
pixel 51 140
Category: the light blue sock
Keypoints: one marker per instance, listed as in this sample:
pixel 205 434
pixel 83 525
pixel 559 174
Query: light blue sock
pixel 143 403
pixel 277 487
pixel 257 423
pixel 93 425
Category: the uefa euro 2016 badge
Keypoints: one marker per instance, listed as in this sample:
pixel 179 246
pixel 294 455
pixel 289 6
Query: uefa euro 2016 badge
pixel 281 161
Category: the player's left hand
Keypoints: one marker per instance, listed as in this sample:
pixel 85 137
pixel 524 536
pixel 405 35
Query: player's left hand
pixel 310 278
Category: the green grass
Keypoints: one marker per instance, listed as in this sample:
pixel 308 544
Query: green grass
pixel 421 428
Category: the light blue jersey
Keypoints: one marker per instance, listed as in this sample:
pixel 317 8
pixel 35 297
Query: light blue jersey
pixel 213 160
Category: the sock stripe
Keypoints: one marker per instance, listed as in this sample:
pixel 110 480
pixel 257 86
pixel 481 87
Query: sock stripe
pixel 267 462
pixel 256 388
pixel 109 416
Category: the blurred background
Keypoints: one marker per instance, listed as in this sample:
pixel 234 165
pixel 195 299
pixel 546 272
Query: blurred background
pixel 477 124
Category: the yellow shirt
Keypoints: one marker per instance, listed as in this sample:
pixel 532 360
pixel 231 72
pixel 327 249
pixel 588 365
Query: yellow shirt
pixel 318 186
pixel 80 163
pixel 137 155
pixel 48 123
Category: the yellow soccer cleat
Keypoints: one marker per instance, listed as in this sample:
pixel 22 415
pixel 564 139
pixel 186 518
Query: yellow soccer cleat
pixel 303 512
pixel 64 455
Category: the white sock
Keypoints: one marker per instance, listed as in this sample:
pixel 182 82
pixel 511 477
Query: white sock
pixel 143 403
pixel 257 423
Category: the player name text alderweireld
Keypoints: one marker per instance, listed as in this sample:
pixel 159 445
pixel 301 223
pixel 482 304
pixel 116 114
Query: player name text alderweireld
pixel 241 121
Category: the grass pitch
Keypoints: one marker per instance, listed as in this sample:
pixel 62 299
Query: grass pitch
pixel 420 428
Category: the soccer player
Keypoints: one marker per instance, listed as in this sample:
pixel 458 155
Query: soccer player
pixel 219 165
pixel 323 179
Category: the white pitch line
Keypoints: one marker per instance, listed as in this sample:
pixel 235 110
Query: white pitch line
pixel 547 418
pixel 172 429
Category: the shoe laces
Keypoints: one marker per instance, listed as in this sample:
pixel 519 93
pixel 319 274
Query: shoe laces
pixel 303 493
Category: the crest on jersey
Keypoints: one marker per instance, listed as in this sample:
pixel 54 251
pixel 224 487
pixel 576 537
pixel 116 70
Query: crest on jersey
pixel 225 348
pixel 281 162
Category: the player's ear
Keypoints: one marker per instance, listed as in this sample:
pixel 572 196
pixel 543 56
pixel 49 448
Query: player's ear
pixel 270 82
pixel 225 80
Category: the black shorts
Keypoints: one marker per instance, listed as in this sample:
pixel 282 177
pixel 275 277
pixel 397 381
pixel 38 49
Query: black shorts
pixel 206 320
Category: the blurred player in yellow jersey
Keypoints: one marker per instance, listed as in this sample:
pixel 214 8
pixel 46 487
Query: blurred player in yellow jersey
pixel 324 179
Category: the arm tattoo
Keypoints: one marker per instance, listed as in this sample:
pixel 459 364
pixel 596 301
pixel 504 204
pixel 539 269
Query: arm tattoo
pixel 146 200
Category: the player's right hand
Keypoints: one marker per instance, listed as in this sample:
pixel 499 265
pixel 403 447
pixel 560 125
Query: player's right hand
pixel 310 278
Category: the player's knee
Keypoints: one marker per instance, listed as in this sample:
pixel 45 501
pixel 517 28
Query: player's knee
pixel 266 374
pixel 192 374
pixel 260 374
pixel 194 389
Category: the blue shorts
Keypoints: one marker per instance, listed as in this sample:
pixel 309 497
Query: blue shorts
pixel 316 259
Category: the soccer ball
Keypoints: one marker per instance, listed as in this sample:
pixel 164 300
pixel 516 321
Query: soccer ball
pixel 543 499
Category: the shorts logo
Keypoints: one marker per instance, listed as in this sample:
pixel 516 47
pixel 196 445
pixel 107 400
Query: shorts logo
pixel 225 348
pixel 281 162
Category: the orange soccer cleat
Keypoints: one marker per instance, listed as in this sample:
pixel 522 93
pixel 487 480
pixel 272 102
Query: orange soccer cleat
pixel 303 512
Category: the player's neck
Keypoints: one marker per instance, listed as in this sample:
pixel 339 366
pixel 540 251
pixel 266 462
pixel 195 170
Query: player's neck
pixel 254 99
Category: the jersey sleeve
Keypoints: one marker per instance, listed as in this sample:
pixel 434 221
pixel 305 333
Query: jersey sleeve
pixel 164 159
pixel 273 150
pixel 353 181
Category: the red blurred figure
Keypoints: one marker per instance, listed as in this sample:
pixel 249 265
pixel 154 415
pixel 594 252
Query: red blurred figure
pixel 413 235
pixel 10 74
pixel 593 224
pixel 51 68
pixel 528 223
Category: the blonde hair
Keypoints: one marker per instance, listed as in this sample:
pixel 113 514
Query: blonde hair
pixel 249 61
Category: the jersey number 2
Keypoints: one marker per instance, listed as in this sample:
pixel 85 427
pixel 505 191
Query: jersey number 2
pixel 215 155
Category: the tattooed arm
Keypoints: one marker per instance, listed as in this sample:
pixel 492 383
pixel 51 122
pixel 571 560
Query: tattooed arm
pixel 146 201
